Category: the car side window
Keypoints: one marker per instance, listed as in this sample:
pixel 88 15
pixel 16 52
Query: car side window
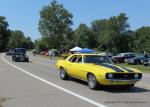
pixel 73 59
pixel 79 60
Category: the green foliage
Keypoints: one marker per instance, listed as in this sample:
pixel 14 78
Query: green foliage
pixel 142 39
pixel 112 33
pixel 84 37
pixel 55 25
pixel 4 33
pixel 17 40
pixel 40 44
pixel 55 22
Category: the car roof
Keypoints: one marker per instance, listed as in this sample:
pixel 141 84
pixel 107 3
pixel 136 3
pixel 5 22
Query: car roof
pixel 127 53
pixel 19 48
pixel 89 54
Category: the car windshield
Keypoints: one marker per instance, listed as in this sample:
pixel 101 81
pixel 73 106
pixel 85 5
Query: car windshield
pixel 96 59
pixel 20 50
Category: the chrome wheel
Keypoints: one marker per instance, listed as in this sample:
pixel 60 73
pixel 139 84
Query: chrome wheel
pixel 92 82
pixel 63 74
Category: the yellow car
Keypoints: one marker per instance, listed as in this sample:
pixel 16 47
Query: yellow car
pixel 97 70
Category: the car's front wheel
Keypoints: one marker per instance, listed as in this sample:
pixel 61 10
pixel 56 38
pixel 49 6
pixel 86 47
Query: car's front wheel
pixel 27 60
pixel 15 59
pixel 92 82
pixel 63 74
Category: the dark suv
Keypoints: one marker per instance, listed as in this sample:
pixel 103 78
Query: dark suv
pixel 20 55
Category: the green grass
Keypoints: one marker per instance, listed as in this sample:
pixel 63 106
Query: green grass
pixel 139 67
pixel 1 101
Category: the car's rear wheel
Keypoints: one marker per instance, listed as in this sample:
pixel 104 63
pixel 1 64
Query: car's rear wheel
pixel 63 74
pixel 92 82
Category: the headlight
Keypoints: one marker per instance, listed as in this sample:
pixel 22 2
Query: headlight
pixel 110 76
pixel 136 76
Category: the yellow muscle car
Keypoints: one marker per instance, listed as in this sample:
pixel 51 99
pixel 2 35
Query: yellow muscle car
pixel 97 70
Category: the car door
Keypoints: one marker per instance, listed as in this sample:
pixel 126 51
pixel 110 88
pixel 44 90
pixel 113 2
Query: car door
pixel 77 68
pixel 81 68
pixel 71 64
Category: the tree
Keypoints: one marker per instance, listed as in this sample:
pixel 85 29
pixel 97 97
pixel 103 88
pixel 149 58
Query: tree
pixel 18 39
pixel 40 45
pixel 111 33
pixel 142 39
pixel 4 33
pixel 55 25
pixel 84 37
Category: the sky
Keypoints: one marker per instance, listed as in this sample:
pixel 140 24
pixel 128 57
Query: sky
pixel 24 14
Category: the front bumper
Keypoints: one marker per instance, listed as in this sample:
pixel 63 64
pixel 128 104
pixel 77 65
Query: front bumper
pixel 118 82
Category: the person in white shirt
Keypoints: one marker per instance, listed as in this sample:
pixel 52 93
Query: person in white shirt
pixel 50 54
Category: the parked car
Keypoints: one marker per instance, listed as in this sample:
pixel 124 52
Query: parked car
pixel 10 51
pixel 44 53
pixel 120 58
pixel 97 70
pixel 109 54
pixel 20 55
pixel 146 62
pixel 136 60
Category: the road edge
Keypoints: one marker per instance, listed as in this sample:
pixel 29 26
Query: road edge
pixel 54 85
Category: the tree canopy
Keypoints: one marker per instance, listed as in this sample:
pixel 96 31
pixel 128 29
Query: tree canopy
pixel 112 34
pixel 55 25
pixel 4 33
pixel 18 40
pixel 142 39
pixel 85 37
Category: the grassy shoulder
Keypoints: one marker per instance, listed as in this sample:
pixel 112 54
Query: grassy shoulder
pixel 142 68
pixel 1 101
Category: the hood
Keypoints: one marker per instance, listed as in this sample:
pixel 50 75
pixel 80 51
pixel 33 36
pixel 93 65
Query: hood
pixel 105 67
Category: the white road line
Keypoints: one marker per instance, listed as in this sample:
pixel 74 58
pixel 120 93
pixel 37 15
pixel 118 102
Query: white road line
pixel 56 86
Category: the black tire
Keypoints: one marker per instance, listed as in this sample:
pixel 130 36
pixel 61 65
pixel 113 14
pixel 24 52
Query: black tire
pixel 15 59
pixel 27 60
pixel 63 74
pixel 92 82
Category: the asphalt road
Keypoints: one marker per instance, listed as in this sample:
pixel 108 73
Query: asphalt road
pixel 37 84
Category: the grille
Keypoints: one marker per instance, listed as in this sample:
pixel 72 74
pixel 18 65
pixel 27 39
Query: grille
pixel 124 76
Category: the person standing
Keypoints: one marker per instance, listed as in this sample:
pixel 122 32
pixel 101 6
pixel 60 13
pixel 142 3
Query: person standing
pixel 50 54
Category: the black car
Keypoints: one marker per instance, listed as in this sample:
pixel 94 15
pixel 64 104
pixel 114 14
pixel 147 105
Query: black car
pixel 10 51
pixel 136 60
pixel 146 62
pixel 20 55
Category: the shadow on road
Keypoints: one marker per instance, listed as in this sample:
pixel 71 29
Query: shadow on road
pixel 112 89
pixel 122 90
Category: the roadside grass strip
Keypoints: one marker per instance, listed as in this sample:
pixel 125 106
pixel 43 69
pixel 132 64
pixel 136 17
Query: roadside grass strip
pixel 1 101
